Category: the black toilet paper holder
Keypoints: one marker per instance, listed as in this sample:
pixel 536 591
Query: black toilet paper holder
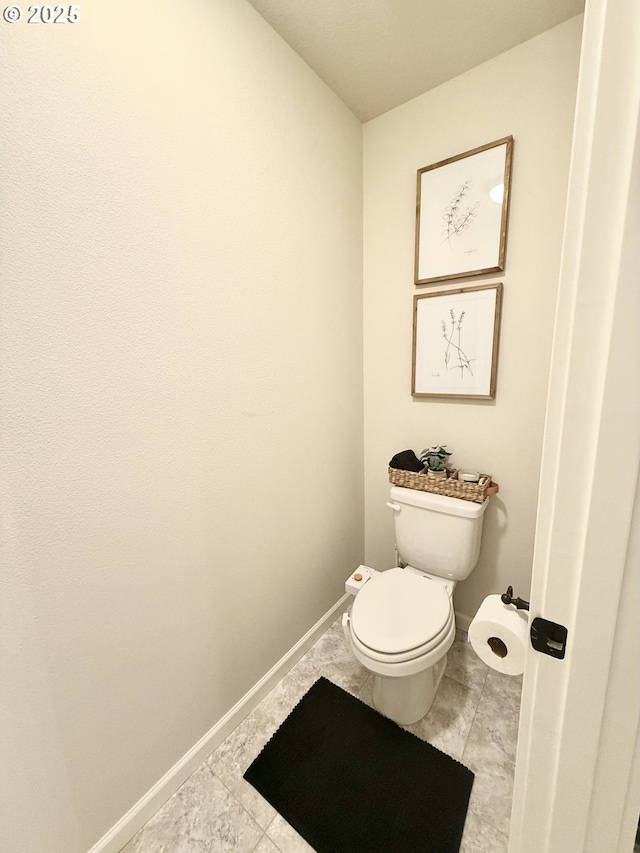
pixel 519 603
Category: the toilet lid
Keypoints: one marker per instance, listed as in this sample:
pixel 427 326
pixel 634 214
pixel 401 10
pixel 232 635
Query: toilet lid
pixel 398 610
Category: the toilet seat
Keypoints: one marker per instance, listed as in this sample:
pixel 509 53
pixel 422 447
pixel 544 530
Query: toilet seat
pixel 420 652
pixel 399 616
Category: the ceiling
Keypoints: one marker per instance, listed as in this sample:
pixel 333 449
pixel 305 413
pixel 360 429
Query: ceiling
pixel 377 54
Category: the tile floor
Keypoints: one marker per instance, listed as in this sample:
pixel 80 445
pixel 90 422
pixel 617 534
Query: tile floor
pixel 474 718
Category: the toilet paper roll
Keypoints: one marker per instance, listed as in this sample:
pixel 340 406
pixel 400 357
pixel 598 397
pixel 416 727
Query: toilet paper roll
pixel 498 634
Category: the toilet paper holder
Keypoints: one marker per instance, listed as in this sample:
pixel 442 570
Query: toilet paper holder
pixel 519 603
pixel 547 637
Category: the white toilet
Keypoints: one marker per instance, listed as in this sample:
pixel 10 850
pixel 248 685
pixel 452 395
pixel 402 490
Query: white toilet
pixel 401 624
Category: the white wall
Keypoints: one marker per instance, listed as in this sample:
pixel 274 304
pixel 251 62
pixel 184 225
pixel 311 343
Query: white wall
pixel 528 92
pixel 181 390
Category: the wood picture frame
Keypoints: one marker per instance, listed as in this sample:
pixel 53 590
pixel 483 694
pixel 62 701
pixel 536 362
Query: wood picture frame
pixel 462 214
pixel 456 336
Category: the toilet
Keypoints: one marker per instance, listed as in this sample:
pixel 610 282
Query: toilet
pixel 401 624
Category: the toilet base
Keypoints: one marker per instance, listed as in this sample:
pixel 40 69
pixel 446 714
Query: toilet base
pixel 407 699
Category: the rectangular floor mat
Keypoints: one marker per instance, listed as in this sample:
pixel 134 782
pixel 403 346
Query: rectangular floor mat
pixel 351 781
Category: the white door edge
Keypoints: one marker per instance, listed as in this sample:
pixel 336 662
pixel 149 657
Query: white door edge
pixel 572 724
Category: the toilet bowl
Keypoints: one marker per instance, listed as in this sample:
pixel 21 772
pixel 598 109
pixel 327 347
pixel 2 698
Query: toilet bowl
pixel 401 624
pixel 400 628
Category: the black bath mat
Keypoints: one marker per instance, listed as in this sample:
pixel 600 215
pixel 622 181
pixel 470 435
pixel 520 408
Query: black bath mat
pixel 351 781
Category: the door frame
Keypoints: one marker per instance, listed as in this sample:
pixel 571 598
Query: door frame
pixel 577 782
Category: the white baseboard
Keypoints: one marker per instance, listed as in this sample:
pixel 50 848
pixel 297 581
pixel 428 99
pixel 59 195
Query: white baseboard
pixel 124 830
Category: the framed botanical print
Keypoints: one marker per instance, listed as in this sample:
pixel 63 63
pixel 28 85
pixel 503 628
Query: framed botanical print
pixel 456 335
pixel 462 212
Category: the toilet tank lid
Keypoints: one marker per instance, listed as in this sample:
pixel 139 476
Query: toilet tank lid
pixel 438 503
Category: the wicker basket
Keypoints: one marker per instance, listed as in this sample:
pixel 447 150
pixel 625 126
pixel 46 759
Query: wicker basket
pixel 449 486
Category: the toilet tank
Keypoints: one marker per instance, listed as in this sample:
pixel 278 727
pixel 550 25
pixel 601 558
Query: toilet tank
pixel 436 534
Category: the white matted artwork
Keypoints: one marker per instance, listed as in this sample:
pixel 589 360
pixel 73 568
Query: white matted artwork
pixel 455 342
pixel 462 212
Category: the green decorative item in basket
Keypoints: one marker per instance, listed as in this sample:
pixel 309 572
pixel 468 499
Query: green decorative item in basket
pixel 435 458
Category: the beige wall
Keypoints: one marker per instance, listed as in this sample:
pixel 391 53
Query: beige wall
pixel 181 390
pixel 528 92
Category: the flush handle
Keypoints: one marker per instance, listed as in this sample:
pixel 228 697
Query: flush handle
pixel 395 507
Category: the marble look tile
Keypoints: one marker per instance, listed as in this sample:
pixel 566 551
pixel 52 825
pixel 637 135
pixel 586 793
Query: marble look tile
pixel 286 838
pixel 259 809
pixel 480 837
pixel 491 798
pixel 486 749
pixel 492 791
pixel 366 692
pixel 276 706
pixel 266 845
pixel 448 723
pixel 238 750
pixel 201 815
pixel 332 657
pixel 207 815
pixel 498 723
pixel 465 666
pixel 506 689
pixel 306 671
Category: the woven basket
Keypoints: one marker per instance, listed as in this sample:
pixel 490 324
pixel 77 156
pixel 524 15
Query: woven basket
pixel 449 486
